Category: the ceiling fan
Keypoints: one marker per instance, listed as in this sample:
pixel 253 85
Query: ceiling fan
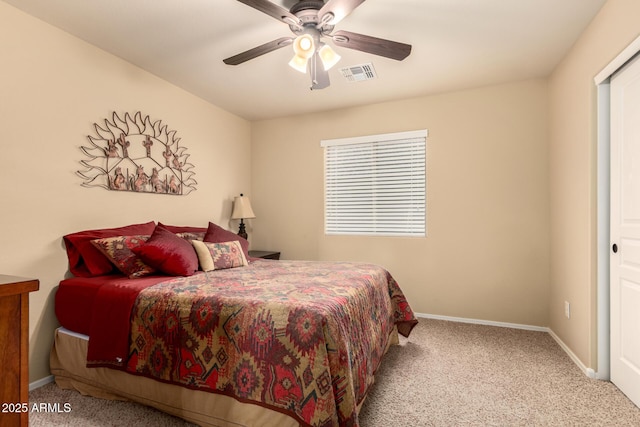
pixel 311 21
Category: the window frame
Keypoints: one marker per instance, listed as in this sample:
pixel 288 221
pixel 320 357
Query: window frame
pixel 405 228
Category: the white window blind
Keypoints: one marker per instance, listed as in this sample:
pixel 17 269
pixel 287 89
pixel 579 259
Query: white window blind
pixel 376 185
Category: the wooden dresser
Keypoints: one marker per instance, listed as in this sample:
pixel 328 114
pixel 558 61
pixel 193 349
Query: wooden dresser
pixel 14 349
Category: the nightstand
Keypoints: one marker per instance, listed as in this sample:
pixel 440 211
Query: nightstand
pixel 14 346
pixel 265 254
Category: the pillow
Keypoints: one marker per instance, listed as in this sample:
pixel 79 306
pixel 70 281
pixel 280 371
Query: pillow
pixel 183 228
pixel 85 260
pixel 217 234
pixel 218 256
pixel 189 236
pixel 168 253
pixel 119 251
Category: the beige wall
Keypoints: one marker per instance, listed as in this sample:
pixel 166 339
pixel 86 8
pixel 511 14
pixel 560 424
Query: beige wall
pixel 53 87
pixel 572 112
pixel 486 253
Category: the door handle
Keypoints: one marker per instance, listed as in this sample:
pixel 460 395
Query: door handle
pixel 615 248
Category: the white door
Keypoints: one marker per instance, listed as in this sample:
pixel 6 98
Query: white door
pixel 625 230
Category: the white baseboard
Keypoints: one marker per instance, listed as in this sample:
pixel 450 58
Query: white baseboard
pixel 589 372
pixel 484 322
pixel 39 383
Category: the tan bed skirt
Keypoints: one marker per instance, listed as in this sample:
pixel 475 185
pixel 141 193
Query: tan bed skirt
pixel 68 365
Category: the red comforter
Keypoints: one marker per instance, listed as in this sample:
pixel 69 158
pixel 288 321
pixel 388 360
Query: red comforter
pixel 300 337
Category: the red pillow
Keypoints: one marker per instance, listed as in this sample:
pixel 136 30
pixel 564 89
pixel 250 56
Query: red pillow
pixel 183 228
pixel 85 260
pixel 217 234
pixel 168 253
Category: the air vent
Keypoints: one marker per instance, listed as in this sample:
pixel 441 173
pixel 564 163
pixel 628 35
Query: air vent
pixel 359 73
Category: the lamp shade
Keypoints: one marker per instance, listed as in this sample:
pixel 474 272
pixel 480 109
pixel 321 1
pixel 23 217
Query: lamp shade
pixel 328 56
pixel 299 63
pixel 304 46
pixel 242 208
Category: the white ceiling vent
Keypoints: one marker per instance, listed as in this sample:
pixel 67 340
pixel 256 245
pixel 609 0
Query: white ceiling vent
pixel 359 73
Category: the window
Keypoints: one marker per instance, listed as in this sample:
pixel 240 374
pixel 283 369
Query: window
pixel 376 185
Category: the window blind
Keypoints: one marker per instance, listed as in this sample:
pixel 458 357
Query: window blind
pixel 376 185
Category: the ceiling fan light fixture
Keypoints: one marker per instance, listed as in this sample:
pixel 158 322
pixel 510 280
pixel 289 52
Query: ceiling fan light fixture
pixel 304 46
pixel 299 63
pixel 328 56
pixel 310 21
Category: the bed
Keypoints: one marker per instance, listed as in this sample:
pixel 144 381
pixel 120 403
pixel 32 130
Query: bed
pixel 235 341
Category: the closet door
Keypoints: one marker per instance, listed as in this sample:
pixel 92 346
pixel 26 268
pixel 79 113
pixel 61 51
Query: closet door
pixel 625 230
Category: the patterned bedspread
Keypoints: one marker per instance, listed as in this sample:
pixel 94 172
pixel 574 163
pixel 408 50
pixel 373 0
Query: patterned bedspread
pixel 297 336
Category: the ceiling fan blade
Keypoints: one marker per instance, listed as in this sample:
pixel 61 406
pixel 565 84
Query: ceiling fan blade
pixel 339 9
pixel 319 76
pixel 272 9
pixel 258 51
pixel 374 45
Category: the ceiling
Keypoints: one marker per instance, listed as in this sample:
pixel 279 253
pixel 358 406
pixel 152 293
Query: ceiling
pixel 457 44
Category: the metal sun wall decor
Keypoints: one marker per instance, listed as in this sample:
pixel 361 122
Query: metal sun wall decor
pixel 134 154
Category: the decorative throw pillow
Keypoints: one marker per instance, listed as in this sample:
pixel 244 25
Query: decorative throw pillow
pixel 218 256
pixel 217 234
pixel 85 260
pixel 189 236
pixel 168 253
pixel 119 251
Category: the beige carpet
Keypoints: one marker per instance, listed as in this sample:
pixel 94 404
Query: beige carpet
pixel 445 374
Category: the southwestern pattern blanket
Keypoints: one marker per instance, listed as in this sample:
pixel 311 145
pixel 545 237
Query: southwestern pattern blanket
pixel 300 337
